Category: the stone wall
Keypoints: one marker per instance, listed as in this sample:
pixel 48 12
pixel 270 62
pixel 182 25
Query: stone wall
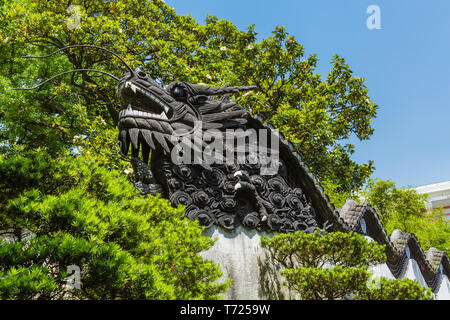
pixel 256 276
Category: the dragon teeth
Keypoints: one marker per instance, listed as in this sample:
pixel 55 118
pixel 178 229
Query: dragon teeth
pixel 142 142
pixel 130 112
pixel 162 141
pixel 148 138
pixel 131 85
pixel 164 116
pixel 124 142
pixel 134 136
pixel 145 152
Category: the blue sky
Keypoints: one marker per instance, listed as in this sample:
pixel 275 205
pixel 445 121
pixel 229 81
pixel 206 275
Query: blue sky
pixel 406 65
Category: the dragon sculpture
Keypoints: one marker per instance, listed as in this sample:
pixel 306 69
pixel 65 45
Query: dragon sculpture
pixel 229 195
pixel 238 193
pixel 226 194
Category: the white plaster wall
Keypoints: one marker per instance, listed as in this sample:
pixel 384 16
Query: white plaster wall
pixel 255 275
pixel 381 270
pixel 413 272
pixel 443 293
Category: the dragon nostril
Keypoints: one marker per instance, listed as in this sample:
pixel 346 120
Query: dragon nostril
pixel 142 74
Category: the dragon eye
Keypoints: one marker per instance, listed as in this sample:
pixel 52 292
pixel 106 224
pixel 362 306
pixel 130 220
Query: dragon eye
pixel 178 92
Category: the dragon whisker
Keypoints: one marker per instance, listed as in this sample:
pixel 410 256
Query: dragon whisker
pixel 66 72
pixel 82 46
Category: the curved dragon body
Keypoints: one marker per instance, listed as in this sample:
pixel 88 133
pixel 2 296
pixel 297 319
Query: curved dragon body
pixel 227 194
pixel 233 194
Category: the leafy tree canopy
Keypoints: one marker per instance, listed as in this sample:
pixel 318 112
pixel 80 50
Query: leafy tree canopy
pixel 315 114
pixel 405 209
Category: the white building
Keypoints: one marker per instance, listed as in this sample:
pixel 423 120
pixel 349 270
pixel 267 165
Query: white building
pixel 438 196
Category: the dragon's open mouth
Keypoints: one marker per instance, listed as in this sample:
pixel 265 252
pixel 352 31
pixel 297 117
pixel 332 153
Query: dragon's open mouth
pixel 142 103
pixel 143 121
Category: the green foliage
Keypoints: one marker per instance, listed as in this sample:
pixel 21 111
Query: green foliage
pixel 23 283
pixel 398 289
pixel 388 200
pixel 316 249
pixel 315 114
pixel 338 196
pixel 86 214
pixel 324 265
pixel 405 209
pixel 332 265
pixel 326 284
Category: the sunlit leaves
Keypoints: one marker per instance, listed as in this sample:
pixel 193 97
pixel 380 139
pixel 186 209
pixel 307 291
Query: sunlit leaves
pixel 335 266
pixel 315 114
pixel 404 208
pixel 82 212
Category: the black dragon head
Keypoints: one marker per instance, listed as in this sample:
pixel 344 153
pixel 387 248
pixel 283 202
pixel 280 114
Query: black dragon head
pixel 224 194
pixel 151 112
